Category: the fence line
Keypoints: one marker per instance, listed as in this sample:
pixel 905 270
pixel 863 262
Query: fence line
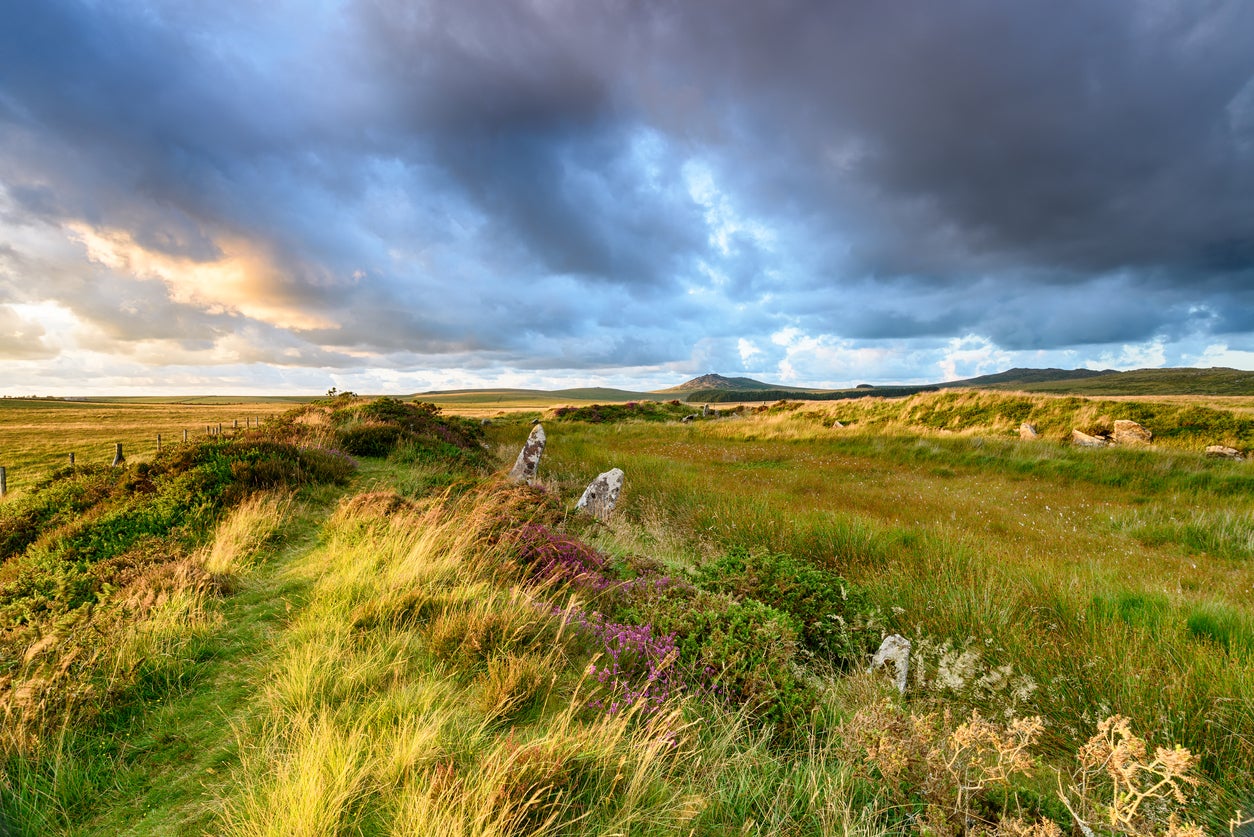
pixel 119 458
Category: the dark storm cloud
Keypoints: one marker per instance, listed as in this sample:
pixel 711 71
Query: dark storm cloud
pixel 523 179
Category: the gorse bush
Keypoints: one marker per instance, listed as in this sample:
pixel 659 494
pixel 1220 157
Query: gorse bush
pixel 827 608
pixel 631 411
pixel 382 427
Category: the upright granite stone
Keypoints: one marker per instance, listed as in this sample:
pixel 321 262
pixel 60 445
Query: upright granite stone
pixel 894 649
pixel 1127 432
pixel 705 411
pixel 528 461
pixel 601 494
pixel 1028 430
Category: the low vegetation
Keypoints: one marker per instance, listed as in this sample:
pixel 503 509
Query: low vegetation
pixel 348 623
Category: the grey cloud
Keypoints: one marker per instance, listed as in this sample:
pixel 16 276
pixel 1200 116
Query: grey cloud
pixel 509 178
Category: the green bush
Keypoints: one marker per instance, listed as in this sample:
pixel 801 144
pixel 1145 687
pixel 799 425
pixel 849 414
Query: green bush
pixel 369 439
pixel 743 652
pixel 823 604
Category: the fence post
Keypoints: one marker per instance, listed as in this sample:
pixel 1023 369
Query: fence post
pixel 71 458
pixel 235 424
pixel 219 429
pixel 185 435
pixel 118 458
pixel 208 430
pixel 158 443
pixel 4 481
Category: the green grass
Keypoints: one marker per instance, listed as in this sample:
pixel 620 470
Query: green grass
pixel 1041 557
pixel 388 658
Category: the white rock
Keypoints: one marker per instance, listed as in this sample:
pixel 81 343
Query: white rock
pixel 601 494
pixel 894 649
pixel 1028 431
pixel 1127 432
pixel 1224 452
pixel 1085 440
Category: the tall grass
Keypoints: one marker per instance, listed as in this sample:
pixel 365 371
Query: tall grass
pixel 452 707
pixel 1038 577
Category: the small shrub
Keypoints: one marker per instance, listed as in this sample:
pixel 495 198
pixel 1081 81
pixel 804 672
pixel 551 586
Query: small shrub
pixel 820 600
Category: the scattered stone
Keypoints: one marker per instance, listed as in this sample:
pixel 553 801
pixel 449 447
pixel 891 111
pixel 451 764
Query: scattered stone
pixel 1084 440
pixel 528 461
pixel 601 494
pixel 534 422
pixel 837 425
pixel 894 649
pixel 1224 452
pixel 484 422
pixel 689 419
pixel 1127 432
pixel 1027 430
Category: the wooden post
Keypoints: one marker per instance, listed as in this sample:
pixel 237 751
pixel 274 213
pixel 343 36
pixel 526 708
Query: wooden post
pixel 158 443
pixel 71 458
pixel 184 435
pixel 208 430
pixel 235 425
pixel 118 458
pixel 219 429
pixel 4 481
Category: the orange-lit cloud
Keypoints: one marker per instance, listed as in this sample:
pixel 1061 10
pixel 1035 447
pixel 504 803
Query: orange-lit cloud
pixel 245 280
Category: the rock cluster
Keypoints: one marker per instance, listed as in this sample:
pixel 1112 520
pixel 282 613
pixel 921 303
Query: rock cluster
pixel 1224 452
pixel 1028 431
pixel 1124 432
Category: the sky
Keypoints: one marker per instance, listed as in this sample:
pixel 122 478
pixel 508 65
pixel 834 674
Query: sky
pixel 393 196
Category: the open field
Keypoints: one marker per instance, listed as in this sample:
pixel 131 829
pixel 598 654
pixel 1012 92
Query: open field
pixel 259 634
pixel 37 436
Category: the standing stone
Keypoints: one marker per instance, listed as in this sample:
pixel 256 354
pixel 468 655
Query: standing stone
pixel 1128 432
pixel 118 458
pixel 1028 430
pixel 601 494
pixel 1224 452
pixel 528 461
pixel 705 411
pixel 1084 440
pixel 894 649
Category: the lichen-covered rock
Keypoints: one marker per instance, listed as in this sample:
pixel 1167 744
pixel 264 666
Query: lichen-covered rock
pixel 1224 452
pixel 1028 431
pixel 601 494
pixel 1127 432
pixel 1079 437
pixel 528 461
pixel 894 649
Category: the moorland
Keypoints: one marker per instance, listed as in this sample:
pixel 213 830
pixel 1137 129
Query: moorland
pixel 344 619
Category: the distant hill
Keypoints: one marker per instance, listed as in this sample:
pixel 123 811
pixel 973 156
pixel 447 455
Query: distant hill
pixel 1018 377
pixel 1182 381
pixel 714 381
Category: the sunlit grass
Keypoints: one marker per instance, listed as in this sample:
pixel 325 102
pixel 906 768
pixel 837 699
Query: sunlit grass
pixel 1113 581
